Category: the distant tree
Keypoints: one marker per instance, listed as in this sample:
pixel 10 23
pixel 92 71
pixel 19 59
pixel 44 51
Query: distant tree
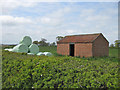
pixel 117 43
pixel 52 44
pixel 35 42
pixel 112 46
pixel 58 38
pixel 43 42
pixel 43 39
pixel 47 44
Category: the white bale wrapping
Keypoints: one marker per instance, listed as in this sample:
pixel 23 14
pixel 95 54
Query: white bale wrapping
pixel 26 40
pixel 33 48
pixel 40 54
pixel 8 49
pixel 47 54
pixel 30 53
pixel 20 48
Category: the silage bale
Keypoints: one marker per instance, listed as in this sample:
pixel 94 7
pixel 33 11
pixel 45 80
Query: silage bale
pixel 8 49
pixel 40 54
pixel 26 40
pixel 33 48
pixel 30 53
pixel 20 48
pixel 47 54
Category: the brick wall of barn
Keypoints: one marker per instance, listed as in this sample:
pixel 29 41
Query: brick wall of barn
pixel 63 49
pixel 83 49
pixel 100 47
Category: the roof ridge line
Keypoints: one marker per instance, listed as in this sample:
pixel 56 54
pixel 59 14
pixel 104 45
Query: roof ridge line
pixel 84 34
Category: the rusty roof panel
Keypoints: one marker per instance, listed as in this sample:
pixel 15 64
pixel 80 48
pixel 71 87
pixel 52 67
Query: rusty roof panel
pixel 79 38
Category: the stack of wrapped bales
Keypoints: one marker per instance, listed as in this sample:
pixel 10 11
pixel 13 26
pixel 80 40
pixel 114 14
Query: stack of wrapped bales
pixel 26 46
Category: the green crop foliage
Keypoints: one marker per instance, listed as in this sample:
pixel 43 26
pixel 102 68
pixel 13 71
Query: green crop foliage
pixel 20 70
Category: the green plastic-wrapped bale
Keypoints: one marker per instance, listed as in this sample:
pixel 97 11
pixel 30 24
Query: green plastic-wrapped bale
pixel 20 48
pixel 26 40
pixel 33 48
pixel 8 49
pixel 30 53
pixel 40 54
pixel 48 54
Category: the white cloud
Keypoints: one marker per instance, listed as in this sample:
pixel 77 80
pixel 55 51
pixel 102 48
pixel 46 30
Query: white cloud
pixel 97 18
pixel 86 12
pixel 60 12
pixel 70 31
pixel 54 18
pixel 60 21
pixel 16 3
pixel 8 5
pixel 73 32
pixel 28 3
pixel 10 20
pixel 45 20
pixel 51 21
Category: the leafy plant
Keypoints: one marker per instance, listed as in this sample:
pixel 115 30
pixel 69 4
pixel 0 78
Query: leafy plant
pixel 25 71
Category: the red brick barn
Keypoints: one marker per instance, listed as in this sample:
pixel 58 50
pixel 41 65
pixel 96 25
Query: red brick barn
pixel 87 45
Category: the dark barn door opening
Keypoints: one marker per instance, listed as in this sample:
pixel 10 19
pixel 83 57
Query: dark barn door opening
pixel 71 49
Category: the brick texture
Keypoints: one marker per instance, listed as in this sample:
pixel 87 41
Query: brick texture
pixel 100 47
pixel 63 49
pixel 83 49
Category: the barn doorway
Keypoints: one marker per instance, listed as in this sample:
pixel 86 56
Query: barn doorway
pixel 71 49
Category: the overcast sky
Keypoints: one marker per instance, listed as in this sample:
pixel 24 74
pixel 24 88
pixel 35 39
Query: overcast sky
pixel 50 19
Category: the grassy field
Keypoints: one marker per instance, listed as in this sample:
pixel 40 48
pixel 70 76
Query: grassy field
pixel 113 52
pixel 0 50
pixel 51 49
pixel 20 70
pixel 0 67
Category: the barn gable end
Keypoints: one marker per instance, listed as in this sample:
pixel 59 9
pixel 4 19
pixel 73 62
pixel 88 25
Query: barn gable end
pixel 100 46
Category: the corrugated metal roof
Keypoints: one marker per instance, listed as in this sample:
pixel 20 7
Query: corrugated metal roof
pixel 84 38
